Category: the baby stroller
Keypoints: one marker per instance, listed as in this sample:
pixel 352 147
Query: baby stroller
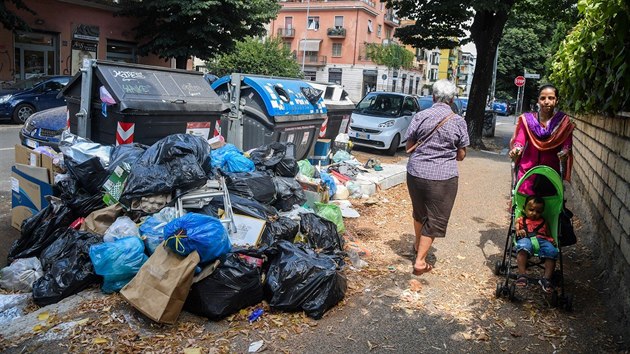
pixel 553 207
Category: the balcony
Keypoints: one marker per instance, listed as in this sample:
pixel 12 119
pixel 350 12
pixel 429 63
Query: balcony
pixel 391 19
pixel 286 32
pixel 311 59
pixel 336 32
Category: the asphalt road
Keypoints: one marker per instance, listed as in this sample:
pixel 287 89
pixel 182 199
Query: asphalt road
pixel 8 138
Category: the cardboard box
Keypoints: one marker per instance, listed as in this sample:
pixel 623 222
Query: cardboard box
pixel 29 188
pixel 26 156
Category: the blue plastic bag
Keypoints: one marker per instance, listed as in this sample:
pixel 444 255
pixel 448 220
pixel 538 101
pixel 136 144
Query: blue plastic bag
pixel 330 182
pixel 197 232
pixel 217 156
pixel 117 261
pixel 236 162
pixel 152 229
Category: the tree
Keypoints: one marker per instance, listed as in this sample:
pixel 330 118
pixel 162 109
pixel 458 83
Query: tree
pixel 392 55
pixel 253 56
pixel 202 28
pixel 593 65
pixel 441 23
pixel 10 20
pixel 529 42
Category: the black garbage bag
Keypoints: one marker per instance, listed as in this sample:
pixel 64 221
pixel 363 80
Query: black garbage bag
pixel 289 192
pixel 300 279
pixel 67 267
pixel 278 157
pixel 234 285
pixel 256 185
pixel 321 233
pixel 37 231
pixel 242 206
pixel 179 161
pixel 83 204
pixel 129 153
pixel 90 174
pixel 282 229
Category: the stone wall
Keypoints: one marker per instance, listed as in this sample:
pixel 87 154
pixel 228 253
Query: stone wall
pixel 601 175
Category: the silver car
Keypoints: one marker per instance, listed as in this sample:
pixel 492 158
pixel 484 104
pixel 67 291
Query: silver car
pixel 381 119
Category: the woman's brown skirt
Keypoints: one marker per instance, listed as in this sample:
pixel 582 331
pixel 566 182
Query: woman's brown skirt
pixel 432 203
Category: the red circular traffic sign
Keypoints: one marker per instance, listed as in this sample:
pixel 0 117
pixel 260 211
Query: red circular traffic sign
pixel 519 81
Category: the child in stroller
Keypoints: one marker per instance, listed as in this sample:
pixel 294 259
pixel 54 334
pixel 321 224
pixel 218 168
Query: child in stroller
pixel 533 237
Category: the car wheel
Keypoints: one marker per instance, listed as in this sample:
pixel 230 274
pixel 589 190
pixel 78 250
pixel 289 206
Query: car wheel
pixel 394 146
pixel 22 112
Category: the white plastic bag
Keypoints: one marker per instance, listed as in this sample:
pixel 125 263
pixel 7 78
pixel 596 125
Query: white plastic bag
pixel 122 227
pixel 21 274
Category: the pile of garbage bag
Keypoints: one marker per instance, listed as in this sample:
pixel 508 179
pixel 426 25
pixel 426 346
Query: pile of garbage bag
pixel 161 222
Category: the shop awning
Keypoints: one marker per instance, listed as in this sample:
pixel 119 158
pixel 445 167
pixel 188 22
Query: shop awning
pixel 310 45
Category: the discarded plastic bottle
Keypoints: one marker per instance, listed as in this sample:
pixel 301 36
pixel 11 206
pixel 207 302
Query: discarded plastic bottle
pixel 255 315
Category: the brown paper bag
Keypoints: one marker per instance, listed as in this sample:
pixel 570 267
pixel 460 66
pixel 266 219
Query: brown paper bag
pixel 100 220
pixel 160 288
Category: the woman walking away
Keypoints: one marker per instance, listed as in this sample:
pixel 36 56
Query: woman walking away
pixel 436 139
pixel 542 138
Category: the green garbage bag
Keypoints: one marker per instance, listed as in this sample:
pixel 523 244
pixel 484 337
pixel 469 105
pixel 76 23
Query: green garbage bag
pixel 306 168
pixel 331 212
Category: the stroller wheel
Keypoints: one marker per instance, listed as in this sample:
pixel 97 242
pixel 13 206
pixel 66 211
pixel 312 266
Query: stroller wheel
pixel 498 268
pixel 512 292
pixel 499 290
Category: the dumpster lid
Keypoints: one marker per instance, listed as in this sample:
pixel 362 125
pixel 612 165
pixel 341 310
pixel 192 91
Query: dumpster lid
pixel 282 96
pixel 151 88
pixel 334 95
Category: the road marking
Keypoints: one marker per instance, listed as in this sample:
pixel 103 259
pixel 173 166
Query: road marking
pixel 5 149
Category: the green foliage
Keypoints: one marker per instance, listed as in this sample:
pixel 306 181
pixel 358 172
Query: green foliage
pixel 201 28
pixel 391 55
pixel 10 20
pixel 592 65
pixel 253 56
pixel 528 43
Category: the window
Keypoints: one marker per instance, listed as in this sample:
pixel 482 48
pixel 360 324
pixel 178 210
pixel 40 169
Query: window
pixel 435 58
pixel 310 75
pixel 379 31
pixel 334 77
pixel 410 104
pixel 338 21
pixel 433 74
pixel 313 23
pixel 286 45
pixel 288 22
pixel 370 28
pixel 121 51
pixel 388 33
pixel 336 49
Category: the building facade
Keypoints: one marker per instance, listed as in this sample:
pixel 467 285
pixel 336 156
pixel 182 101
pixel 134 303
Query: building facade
pixel 64 32
pixel 465 73
pixel 330 40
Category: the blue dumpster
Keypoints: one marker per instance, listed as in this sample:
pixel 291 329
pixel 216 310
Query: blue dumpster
pixel 276 110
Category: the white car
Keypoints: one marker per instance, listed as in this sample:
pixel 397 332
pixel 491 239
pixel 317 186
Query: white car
pixel 381 119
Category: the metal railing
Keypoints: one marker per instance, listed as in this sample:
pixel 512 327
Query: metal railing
pixel 336 32
pixel 286 32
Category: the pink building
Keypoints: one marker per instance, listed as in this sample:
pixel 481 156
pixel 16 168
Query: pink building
pixel 330 37
pixel 65 32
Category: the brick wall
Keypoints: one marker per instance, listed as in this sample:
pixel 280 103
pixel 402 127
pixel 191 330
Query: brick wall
pixel 601 175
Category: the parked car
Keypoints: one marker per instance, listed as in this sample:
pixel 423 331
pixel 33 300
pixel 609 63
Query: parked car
pixel 380 120
pixel 44 128
pixel 425 102
pixel 25 97
pixel 501 107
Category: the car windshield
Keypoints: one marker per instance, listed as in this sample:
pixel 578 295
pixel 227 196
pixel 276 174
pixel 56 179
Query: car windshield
pixel 28 83
pixel 380 105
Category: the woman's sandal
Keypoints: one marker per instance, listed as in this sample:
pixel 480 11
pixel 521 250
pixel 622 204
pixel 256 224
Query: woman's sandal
pixel 521 281
pixel 427 268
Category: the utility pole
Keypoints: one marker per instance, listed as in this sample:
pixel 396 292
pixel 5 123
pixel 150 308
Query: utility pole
pixel 308 10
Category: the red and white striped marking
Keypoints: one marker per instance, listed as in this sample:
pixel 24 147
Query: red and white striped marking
pixel 124 133
pixel 217 128
pixel 68 119
pixel 322 130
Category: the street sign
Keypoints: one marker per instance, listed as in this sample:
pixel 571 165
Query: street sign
pixel 519 81
pixel 532 76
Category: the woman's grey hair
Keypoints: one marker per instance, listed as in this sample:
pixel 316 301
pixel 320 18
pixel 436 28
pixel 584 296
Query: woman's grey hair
pixel 444 91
